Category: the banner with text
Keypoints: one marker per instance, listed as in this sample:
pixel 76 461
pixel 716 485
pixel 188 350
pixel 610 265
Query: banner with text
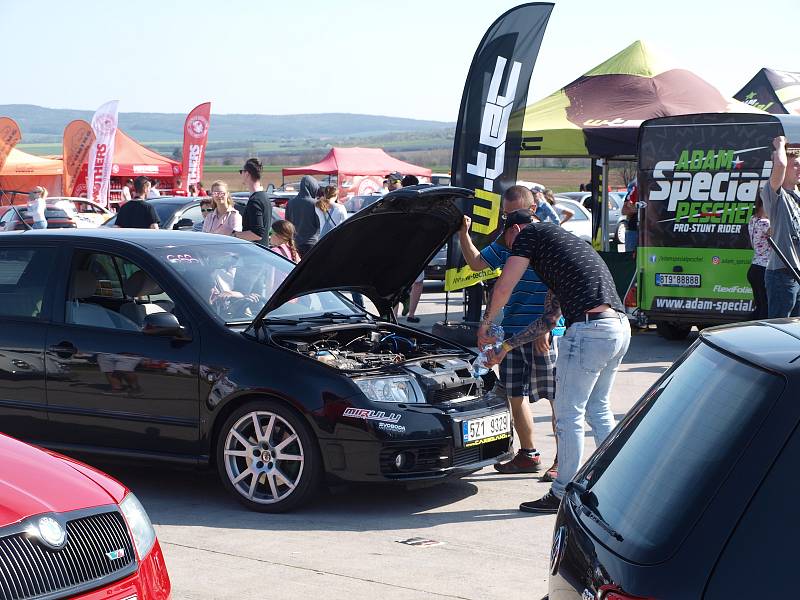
pixel 101 153
pixel 195 138
pixel 699 176
pixel 489 128
pixel 78 138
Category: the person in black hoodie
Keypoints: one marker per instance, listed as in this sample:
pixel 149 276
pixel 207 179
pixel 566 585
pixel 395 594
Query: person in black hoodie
pixel 301 213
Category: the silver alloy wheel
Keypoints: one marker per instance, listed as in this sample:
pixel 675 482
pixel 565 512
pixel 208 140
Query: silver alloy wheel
pixel 264 457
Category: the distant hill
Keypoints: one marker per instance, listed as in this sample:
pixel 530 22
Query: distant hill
pixel 41 125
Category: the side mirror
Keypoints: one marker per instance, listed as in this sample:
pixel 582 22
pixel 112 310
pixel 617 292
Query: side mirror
pixel 183 224
pixel 163 324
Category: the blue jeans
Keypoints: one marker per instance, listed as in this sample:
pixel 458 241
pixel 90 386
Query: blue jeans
pixel 39 225
pixel 631 240
pixel 783 294
pixel 589 355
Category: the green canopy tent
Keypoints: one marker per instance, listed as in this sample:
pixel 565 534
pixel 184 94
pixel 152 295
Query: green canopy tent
pixel 598 115
pixel 776 92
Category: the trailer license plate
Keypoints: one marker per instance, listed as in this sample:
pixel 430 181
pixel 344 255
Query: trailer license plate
pixel 486 429
pixel 677 280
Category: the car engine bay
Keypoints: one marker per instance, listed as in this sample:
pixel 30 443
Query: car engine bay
pixel 443 372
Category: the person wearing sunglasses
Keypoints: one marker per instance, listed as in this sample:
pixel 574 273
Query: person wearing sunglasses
pixel 206 206
pixel 222 218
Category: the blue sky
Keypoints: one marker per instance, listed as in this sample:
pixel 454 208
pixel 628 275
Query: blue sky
pixel 404 59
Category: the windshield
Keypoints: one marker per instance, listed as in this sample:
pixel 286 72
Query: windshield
pixel 165 210
pixel 665 464
pixel 236 280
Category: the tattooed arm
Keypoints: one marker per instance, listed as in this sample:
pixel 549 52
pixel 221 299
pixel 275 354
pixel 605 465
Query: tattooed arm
pixel 540 327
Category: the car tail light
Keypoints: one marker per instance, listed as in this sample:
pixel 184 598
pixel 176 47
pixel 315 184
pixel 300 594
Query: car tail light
pixel 615 594
pixel 630 297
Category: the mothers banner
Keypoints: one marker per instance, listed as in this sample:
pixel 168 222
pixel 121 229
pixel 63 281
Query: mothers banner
pixel 101 154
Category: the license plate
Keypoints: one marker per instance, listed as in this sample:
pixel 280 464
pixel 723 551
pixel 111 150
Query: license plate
pixel 677 280
pixel 486 429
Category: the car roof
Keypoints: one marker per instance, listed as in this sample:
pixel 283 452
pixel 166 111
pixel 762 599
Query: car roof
pixel 145 238
pixel 772 344
pixel 177 200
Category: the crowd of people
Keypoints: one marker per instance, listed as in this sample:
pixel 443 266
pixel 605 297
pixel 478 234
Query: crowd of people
pixel 564 325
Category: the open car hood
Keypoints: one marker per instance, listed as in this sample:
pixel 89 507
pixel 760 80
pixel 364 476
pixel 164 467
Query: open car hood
pixel 380 250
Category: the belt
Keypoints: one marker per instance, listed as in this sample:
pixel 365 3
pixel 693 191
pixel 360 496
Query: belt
pixel 594 316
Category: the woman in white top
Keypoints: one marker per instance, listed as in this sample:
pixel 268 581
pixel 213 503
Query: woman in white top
pixel 37 202
pixel 329 212
pixel 224 219
pixel 758 228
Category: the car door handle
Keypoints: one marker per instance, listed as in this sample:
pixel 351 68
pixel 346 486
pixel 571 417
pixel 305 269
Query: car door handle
pixel 64 349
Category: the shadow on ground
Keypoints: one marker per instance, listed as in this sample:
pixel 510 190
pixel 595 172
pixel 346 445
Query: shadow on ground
pixel 196 498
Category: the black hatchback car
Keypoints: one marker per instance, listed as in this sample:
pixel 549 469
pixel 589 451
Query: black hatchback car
pixel 693 494
pixel 205 349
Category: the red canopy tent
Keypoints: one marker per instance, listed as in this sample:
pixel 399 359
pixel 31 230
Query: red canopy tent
pixel 131 159
pixel 360 171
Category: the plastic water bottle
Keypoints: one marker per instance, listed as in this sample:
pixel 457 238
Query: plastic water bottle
pixel 479 364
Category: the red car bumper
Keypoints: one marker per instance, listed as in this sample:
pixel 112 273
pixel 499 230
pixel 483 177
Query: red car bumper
pixel 150 582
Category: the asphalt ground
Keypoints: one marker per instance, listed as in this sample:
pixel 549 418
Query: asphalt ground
pixel 348 542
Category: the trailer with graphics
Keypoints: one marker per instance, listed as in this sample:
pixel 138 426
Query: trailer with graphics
pixel 699 176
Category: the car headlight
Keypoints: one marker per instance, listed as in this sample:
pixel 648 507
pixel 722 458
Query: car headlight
pixel 144 536
pixel 390 389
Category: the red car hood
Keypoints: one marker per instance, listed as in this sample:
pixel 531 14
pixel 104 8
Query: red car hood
pixel 33 481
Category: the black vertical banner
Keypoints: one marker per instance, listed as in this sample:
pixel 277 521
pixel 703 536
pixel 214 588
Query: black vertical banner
pixel 596 202
pixel 489 128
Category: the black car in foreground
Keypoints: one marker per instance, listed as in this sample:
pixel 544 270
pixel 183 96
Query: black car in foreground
pixel 205 349
pixel 693 494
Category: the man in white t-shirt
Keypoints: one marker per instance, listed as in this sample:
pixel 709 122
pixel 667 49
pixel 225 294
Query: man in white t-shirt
pixel 153 193
pixel 126 191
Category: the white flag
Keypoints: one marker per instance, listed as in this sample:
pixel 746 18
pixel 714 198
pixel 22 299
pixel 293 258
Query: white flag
pixel 101 155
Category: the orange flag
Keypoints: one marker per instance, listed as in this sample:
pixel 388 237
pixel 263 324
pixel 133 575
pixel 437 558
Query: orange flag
pixel 9 137
pixel 78 138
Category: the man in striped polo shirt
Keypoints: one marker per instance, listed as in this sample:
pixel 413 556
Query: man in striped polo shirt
pixel 529 369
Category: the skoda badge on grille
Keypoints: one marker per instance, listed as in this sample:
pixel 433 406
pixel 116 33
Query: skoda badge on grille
pixel 115 554
pixel 51 532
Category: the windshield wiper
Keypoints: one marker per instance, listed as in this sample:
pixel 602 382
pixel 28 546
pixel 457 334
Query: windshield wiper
pixel 280 321
pixel 588 507
pixel 327 316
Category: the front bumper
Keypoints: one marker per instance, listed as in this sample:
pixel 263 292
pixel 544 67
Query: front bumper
pixel 150 582
pixel 430 443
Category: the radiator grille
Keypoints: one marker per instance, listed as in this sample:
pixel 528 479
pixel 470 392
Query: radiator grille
pixel 29 570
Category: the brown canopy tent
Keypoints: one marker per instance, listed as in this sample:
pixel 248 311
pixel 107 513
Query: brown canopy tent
pixel 599 113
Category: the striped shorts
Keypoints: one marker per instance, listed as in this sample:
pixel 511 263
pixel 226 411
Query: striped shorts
pixel 523 373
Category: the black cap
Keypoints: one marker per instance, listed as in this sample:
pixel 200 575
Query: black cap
pixel 395 176
pixel 518 217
